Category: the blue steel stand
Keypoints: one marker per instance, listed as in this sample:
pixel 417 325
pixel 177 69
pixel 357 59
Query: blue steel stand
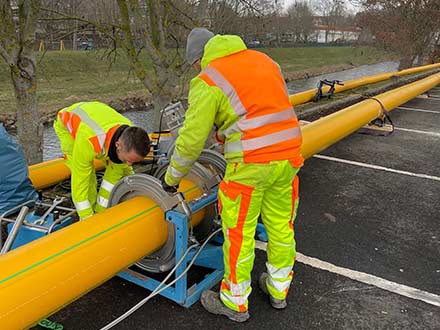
pixel 210 257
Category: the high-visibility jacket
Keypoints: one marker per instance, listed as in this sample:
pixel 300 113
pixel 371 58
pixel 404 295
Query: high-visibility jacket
pixel 85 131
pixel 242 92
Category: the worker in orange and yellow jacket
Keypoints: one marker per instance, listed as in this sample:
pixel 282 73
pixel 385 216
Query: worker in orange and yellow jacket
pixel 243 94
pixel 93 130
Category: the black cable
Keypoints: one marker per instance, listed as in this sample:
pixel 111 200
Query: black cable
pixel 158 139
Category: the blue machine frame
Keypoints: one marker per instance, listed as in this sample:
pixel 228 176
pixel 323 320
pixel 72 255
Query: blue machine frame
pixel 210 257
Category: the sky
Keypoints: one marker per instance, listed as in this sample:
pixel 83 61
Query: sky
pixel 350 7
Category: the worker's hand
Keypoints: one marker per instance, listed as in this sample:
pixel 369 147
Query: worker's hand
pixel 171 190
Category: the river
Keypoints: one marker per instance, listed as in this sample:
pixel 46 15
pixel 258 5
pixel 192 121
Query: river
pixel 145 119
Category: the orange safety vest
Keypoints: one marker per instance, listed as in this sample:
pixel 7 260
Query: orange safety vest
pixel 72 119
pixel 258 95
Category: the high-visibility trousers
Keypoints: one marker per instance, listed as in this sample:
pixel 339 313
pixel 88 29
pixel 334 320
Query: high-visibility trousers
pixel 247 192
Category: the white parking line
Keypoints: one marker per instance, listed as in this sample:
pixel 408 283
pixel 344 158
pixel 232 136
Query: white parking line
pixel 399 289
pixel 376 167
pixel 417 131
pixel 418 110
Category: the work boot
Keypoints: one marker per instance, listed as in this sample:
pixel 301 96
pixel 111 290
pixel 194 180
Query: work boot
pixel 276 303
pixel 211 302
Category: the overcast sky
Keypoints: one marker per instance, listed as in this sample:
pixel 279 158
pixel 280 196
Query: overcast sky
pixel 350 7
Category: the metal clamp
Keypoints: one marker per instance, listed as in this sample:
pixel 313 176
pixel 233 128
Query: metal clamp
pixel 181 205
pixel 55 203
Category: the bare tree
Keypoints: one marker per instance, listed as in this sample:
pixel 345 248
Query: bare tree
pixel 17 42
pixel 410 28
pixel 251 19
pixel 300 20
pixel 332 12
pixel 142 26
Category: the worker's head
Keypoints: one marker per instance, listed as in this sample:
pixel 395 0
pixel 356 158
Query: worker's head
pixel 133 145
pixel 195 46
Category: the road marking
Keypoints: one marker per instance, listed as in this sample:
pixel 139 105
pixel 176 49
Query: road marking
pixel 418 110
pixel 417 131
pixel 379 282
pixel 376 167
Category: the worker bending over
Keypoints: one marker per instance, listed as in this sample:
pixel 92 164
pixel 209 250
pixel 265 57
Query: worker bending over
pixel 242 92
pixel 89 130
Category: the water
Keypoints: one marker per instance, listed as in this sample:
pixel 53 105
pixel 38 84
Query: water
pixel 51 144
pixel 355 73
pixel 147 121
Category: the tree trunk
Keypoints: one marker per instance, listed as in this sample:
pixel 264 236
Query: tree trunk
pixel 159 102
pixel 29 128
pixel 406 62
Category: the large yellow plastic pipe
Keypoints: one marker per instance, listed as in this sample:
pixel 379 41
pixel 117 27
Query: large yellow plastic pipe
pixel 41 277
pixel 323 132
pixel 308 95
pixel 48 173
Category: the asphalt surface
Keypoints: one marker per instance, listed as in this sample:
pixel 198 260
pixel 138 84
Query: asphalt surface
pixel 359 218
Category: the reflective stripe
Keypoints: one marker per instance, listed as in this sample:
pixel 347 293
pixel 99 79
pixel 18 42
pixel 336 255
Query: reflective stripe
pixel 263 141
pixel 227 89
pixel 267 119
pixel 88 121
pixel 278 285
pixel 246 124
pixel 101 139
pixel 69 126
pixel 99 132
pixel 83 205
pixel 284 245
pixel 245 259
pixel 102 201
pixel 182 161
pixel 175 173
pixel 238 288
pixel 107 185
pixel 236 300
pixel 278 272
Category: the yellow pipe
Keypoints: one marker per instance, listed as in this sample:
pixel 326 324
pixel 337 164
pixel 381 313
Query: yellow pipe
pixel 43 276
pixel 306 96
pixel 323 132
pixel 48 173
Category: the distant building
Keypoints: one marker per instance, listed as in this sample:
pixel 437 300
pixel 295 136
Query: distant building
pixel 325 34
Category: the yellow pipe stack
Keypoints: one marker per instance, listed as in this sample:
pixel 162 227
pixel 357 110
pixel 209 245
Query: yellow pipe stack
pixel 43 276
pixel 308 95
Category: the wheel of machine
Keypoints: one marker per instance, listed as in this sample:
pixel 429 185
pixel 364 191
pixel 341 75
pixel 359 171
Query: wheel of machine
pixel 214 161
pixel 149 186
pixel 201 176
pixel 211 159
pixel 134 185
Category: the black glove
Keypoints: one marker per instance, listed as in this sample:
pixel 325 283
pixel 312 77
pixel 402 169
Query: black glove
pixel 171 190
